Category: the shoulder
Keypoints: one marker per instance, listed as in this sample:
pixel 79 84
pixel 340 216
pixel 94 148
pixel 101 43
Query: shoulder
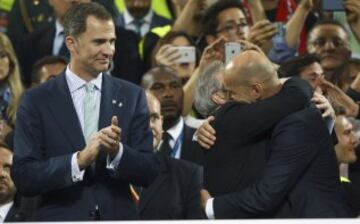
pixel 309 118
pixel 44 90
pixel 125 85
pixel 161 20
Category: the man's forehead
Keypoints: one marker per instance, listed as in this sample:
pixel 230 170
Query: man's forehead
pixel 327 30
pixel 6 154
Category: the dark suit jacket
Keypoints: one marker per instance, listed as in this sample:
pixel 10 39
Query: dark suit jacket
pixel 48 132
pixel 38 44
pixel 15 215
pixel 239 151
pixel 175 193
pixel 301 171
pixel 191 150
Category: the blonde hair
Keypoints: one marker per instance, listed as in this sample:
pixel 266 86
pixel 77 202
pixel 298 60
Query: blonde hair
pixel 13 78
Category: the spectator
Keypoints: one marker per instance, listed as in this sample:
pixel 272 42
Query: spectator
pixel 163 82
pixel 175 193
pixel 11 86
pixel 139 17
pixel 47 68
pixel 329 41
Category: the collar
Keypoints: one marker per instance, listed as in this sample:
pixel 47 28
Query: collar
pixel 4 209
pixel 75 82
pixel 58 28
pixel 129 19
pixel 176 130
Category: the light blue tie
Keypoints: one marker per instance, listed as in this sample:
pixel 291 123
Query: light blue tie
pixel 91 116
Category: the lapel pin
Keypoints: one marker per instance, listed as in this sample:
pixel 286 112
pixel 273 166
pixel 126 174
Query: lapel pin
pixel 113 101
pixel 120 104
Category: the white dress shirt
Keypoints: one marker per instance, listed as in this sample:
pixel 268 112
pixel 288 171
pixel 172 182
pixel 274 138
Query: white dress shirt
pixel 129 21
pixel 77 92
pixel 175 133
pixel 59 38
pixel 4 209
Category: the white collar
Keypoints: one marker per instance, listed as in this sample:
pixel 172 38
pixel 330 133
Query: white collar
pixel 75 82
pixel 129 19
pixel 58 28
pixel 4 209
pixel 176 130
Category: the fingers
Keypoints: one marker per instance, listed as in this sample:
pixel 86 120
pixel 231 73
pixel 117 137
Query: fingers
pixel 167 55
pixel 114 121
pixel 206 134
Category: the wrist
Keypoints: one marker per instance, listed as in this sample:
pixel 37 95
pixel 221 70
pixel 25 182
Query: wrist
pixel 81 160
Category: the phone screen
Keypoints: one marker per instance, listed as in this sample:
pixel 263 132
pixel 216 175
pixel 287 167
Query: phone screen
pixel 332 5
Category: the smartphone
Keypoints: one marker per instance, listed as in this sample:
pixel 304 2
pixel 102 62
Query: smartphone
pixel 280 29
pixel 231 50
pixel 332 5
pixel 187 54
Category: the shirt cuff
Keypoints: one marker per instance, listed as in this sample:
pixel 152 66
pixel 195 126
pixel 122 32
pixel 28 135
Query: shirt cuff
pixel 77 175
pixel 209 210
pixel 113 165
pixel 195 136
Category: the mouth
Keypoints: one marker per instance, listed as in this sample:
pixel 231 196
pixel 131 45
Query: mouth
pixel 328 55
pixel 170 105
pixel 184 65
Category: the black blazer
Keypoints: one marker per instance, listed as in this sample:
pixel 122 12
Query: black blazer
pixel 238 155
pixel 15 215
pixel 301 171
pixel 38 44
pixel 175 193
pixel 47 134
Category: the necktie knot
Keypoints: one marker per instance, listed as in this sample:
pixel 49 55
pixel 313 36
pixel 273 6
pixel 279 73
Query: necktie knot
pixel 138 24
pixel 89 87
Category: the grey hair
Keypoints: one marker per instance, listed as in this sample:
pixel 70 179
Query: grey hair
pixel 207 85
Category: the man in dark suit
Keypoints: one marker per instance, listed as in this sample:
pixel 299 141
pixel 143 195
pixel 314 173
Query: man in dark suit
pixel 300 173
pixel 69 148
pixel 163 82
pixel 11 206
pixel 175 193
pixel 140 18
pixel 49 40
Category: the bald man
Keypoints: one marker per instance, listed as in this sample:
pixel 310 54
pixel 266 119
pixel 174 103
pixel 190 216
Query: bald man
pixel 298 176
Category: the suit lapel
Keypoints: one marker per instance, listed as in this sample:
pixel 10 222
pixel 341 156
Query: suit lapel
pixel 61 105
pixel 110 101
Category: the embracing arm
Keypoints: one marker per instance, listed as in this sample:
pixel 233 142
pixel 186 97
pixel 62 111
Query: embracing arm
pixel 257 118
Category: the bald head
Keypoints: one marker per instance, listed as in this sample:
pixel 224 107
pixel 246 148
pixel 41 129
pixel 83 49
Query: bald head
pixel 251 75
pixel 249 67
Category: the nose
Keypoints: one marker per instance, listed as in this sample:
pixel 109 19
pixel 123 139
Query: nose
pixel 168 92
pixel 329 45
pixel 109 49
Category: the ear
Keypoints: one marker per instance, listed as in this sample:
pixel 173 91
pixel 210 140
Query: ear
pixel 256 91
pixel 210 39
pixel 218 98
pixel 70 43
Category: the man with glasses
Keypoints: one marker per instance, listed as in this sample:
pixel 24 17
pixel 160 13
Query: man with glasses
pixel 330 42
pixel 227 19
